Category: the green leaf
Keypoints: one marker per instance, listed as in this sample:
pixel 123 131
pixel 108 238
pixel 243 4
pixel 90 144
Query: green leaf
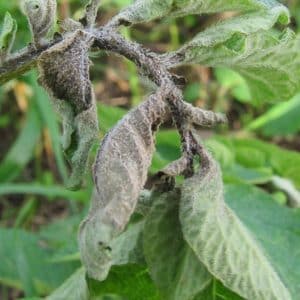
pixel 222 242
pixel 22 150
pixel 281 119
pixel 8 34
pixel 38 189
pixel 26 263
pixel 283 162
pixel 50 122
pixel 129 281
pixel 221 152
pixel 269 61
pixel 74 288
pixel 234 82
pixel 167 149
pixel 109 116
pixel 173 265
pixel 249 175
pixel 147 10
pixel 127 248
pixel 217 291
pixel 274 226
pixel 257 159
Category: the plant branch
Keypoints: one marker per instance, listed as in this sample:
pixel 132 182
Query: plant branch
pixel 91 11
pixel 23 60
pixel 149 63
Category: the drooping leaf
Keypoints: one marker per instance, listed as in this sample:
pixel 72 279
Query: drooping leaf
pixel 274 226
pixel 173 265
pixel 268 61
pixel 147 10
pixel 120 173
pixel 222 242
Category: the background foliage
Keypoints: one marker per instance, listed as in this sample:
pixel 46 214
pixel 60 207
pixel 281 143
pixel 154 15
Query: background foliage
pixel 39 217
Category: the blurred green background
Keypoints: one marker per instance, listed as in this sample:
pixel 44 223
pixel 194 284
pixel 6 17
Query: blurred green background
pixel 39 217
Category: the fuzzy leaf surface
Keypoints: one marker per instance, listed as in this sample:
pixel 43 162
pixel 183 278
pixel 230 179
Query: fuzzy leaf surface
pixel 275 227
pixel 172 263
pixel 222 242
pixel 147 10
pixel 269 61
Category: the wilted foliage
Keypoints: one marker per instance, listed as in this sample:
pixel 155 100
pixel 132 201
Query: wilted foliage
pixel 192 241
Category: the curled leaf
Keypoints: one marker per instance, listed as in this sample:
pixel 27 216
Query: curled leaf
pixel 8 34
pixel 41 16
pixel 120 172
pixel 64 73
pixel 221 241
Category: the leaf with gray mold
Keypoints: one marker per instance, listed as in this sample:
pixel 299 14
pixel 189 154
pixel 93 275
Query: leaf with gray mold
pixel 221 241
pixel 120 172
pixel 41 16
pixel 7 37
pixel 64 73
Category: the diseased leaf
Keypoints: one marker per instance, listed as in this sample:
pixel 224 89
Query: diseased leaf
pixel 173 265
pixel 268 61
pixel 120 173
pixel 41 16
pixel 222 242
pixel 147 10
pixel 7 36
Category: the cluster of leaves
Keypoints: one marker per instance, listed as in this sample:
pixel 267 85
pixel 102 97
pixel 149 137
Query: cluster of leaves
pixel 190 243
